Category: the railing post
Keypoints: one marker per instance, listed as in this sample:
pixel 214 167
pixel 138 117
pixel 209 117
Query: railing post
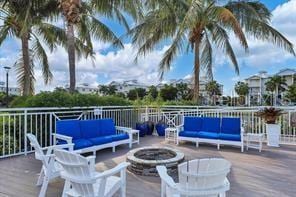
pixel 50 129
pixel 146 114
pixel 25 131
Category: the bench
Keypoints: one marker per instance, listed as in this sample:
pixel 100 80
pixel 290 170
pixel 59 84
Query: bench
pixel 91 135
pixel 220 131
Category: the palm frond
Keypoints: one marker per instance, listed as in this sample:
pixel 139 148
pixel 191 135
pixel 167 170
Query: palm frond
pixel 39 53
pixel 207 56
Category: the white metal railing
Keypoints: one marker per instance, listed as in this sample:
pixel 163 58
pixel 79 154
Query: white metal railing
pixel 15 123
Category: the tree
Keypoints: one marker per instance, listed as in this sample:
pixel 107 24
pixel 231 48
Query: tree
pixel 137 93
pixel 242 89
pixel 183 91
pixel 26 20
pixel 152 90
pixel 291 93
pixel 168 92
pixel 201 25
pixel 213 90
pixel 80 16
pixel 108 89
pixel 276 84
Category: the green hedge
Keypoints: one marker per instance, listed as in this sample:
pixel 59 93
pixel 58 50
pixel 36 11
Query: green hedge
pixel 65 99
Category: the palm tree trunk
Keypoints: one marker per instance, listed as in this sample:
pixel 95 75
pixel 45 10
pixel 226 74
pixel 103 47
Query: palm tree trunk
pixel 26 89
pixel 71 56
pixel 196 69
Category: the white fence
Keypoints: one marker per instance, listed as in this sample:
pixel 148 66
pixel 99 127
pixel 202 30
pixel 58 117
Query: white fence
pixel 15 123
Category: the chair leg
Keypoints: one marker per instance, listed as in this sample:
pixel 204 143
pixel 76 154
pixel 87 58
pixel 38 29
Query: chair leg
pixel 66 188
pixel 242 148
pixel 40 178
pixel 123 191
pixel 197 145
pixel 44 187
pixel 218 146
pixel 222 194
pixel 113 149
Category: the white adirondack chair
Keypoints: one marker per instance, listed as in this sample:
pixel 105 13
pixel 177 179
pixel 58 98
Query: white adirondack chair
pixel 85 181
pixel 200 177
pixel 50 169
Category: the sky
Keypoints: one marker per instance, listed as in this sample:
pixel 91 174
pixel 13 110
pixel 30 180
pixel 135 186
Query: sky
pixel 117 64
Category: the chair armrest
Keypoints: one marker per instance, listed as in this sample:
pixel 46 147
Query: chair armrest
pixel 120 167
pixel 62 137
pixel 92 161
pixel 162 171
pixel 49 149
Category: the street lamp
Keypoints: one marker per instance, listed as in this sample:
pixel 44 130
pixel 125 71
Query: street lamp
pixel 7 71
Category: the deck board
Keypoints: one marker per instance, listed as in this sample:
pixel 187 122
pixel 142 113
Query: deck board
pixel 270 173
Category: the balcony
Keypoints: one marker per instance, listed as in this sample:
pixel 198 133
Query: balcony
pixel 269 173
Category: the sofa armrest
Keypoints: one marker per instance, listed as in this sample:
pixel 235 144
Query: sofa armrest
pixel 123 129
pixel 179 128
pixel 62 137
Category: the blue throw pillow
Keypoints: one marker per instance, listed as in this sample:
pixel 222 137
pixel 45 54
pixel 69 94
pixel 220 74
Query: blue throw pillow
pixel 231 126
pixel 90 128
pixel 69 128
pixel 107 127
pixel 211 124
pixel 192 123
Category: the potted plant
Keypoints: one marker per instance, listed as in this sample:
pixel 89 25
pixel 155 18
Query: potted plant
pixel 142 127
pixel 150 127
pixel 160 128
pixel 273 130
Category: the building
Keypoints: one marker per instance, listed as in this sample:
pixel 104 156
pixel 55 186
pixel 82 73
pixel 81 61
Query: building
pixel 256 83
pixel 11 90
pixel 85 88
pixel 125 86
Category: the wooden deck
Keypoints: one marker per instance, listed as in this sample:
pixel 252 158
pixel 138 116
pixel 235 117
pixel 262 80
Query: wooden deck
pixel 270 173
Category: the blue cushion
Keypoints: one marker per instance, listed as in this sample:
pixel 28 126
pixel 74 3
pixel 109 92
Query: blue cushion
pixel 69 128
pixel 82 143
pixel 90 128
pixel 211 125
pixel 192 123
pixel 101 140
pixel 231 126
pixel 107 127
pixel 188 134
pixel 118 137
pixel 208 135
pixel 231 137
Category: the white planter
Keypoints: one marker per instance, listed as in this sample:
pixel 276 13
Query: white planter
pixel 273 134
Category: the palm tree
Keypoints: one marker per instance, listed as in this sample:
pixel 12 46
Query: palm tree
pixel 276 84
pixel 80 17
pixel 25 21
pixel 202 24
pixel 242 89
pixel 213 90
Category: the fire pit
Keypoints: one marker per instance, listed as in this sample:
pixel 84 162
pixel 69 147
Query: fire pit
pixel 144 160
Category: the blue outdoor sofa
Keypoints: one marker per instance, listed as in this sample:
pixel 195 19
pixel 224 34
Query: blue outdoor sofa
pixel 220 131
pixel 91 135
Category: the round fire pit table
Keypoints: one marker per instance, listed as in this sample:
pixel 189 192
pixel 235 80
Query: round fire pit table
pixel 144 160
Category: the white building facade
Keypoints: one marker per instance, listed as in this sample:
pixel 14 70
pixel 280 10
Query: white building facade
pixel 11 90
pixel 257 87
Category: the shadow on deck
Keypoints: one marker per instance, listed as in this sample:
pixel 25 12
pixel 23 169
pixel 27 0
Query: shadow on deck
pixel 270 173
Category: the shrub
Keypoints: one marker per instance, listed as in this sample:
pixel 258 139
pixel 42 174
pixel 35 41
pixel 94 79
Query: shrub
pixel 65 99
